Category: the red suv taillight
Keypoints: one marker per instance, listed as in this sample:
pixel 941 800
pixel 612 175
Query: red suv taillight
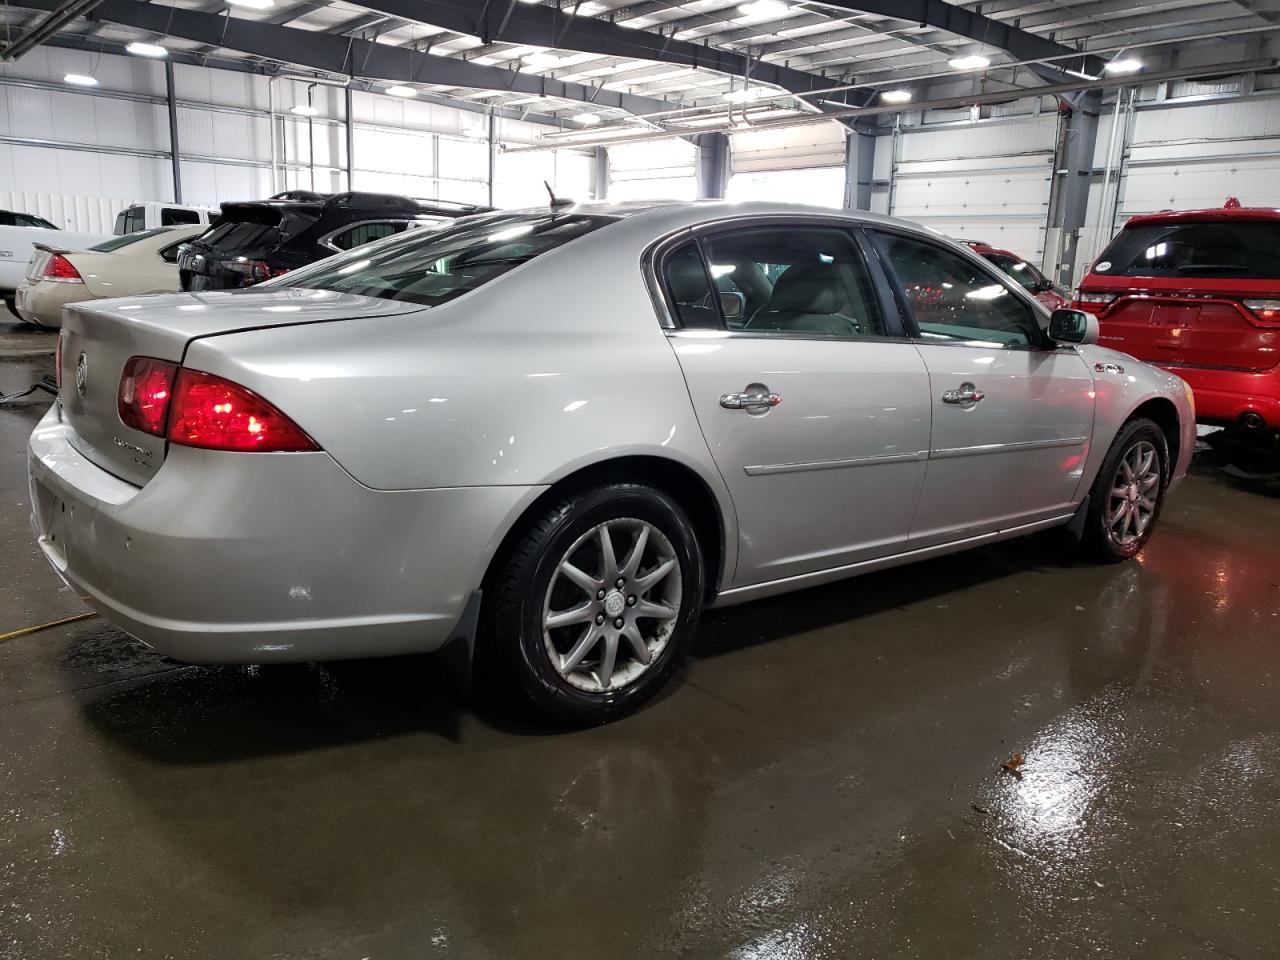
pixel 1093 302
pixel 60 268
pixel 1266 313
pixel 255 271
pixel 197 409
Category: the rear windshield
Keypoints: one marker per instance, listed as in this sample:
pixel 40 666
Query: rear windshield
pixel 238 236
pixel 434 267
pixel 115 243
pixel 1248 251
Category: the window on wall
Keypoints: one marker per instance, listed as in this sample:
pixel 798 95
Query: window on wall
pixel 519 177
pixel 816 186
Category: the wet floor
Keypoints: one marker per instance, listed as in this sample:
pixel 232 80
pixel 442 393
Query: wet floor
pixel 823 781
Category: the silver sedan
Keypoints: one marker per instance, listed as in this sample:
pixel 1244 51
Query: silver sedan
pixel 547 439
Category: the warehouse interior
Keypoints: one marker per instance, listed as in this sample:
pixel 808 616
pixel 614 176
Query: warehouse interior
pixel 1000 753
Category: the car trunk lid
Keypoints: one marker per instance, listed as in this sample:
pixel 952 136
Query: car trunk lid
pixel 99 338
pixel 1181 322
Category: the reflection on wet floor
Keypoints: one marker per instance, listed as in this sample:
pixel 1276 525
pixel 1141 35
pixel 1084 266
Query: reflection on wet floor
pixel 824 780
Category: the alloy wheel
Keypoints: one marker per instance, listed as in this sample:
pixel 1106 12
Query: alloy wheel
pixel 1135 491
pixel 605 620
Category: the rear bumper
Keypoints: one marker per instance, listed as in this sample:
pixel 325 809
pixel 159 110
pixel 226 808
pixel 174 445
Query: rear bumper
pixel 251 558
pixel 42 303
pixel 1224 396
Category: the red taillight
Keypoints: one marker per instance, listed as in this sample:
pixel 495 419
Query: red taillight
pixel 255 271
pixel 217 414
pixel 146 389
pixel 60 268
pixel 198 409
pixel 1266 313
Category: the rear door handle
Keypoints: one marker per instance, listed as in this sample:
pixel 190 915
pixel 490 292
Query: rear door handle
pixel 749 401
pixel 967 394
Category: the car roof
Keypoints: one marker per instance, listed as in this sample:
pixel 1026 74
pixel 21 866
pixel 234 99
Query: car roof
pixel 1210 215
pixel 660 217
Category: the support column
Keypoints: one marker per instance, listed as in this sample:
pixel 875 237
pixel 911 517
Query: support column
pixel 491 133
pixel 1073 171
pixel 351 142
pixel 712 164
pixel 600 180
pixel 859 166
pixel 174 154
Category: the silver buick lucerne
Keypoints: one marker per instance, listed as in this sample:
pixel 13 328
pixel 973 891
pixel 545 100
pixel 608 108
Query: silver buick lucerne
pixel 548 438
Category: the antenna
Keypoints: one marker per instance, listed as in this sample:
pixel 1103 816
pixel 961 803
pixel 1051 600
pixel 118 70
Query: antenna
pixel 556 202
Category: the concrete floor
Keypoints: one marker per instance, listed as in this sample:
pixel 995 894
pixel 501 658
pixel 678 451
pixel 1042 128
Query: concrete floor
pixel 824 780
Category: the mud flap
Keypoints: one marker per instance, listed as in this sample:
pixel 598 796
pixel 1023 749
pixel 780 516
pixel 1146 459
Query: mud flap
pixel 457 656
pixel 1075 528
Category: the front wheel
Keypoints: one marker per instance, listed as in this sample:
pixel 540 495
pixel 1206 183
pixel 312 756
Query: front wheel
pixel 1125 501
pixel 594 604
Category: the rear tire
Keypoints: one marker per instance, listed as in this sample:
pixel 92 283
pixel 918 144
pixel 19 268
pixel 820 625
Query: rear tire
pixel 583 638
pixel 1127 494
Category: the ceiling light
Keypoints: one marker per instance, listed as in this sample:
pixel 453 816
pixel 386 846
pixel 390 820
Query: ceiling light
pixel 971 62
pixel 146 49
pixel 896 96
pixel 253 4
pixel 540 61
pixel 587 119
pixel 587 9
pixel 80 80
pixel 304 110
pixel 744 94
pixel 762 9
pixel 399 91
pixel 1124 65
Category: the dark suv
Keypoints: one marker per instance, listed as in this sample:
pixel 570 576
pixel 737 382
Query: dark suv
pixel 256 240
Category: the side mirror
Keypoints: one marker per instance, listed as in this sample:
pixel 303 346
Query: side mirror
pixel 1073 326
pixel 733 304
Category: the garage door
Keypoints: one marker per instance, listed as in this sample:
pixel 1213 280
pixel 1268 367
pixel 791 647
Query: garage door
pixel 988 180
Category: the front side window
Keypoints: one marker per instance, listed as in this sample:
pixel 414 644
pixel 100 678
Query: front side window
pixel 953 299
pixel 434 267
pixel 1232 250
pixel 805 280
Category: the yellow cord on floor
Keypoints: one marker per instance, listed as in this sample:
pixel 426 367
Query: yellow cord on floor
pixel 14 634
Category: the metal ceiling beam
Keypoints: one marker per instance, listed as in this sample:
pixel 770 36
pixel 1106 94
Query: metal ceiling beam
pixel 57 18
pixel 545 26
pixel 1018 43
pixel 345 56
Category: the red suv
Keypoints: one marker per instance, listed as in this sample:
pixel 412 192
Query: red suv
pixel 1036 283
pixel 1198 293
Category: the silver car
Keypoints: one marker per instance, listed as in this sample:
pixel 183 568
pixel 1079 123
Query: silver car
pixel 552 437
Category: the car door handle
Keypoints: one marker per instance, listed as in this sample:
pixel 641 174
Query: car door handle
pixel 967 393
pixel 748 401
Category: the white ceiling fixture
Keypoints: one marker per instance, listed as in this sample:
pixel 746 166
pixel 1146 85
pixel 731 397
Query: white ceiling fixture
pixel 139 49
pixel 763 9
pixel 587 119
pixel 588 8
pixel 1124 65
pixel 540 61
pixel 253 4
pixel 896 96
pixel 305 110
pixel 972 62
pixel 401 91
pixel 80 80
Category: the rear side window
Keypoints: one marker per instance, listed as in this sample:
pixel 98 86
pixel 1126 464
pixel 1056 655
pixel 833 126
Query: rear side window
pixel 690 290
pixel 365 233
pixel 173 217
pixel 432 267
pixel 796 280
pixel 1227 249
pixel 27 220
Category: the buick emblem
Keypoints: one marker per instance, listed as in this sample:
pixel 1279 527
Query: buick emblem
pixel 82 373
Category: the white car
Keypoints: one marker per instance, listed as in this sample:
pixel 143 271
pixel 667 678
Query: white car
pixel 152 214
pixel 558 434
pixel 19 233
pixel 126 266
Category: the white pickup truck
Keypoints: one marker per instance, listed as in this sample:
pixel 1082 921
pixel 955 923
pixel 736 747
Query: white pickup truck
pixel 18 233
